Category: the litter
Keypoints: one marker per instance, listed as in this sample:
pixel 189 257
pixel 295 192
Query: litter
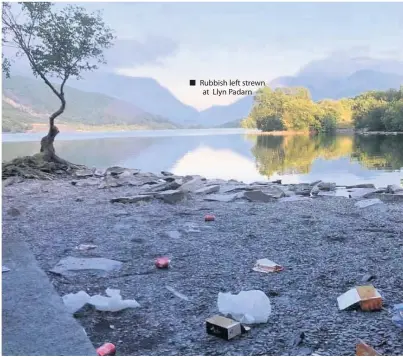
pixel 362 349
pixel 162 263
pixel 397 317
pixel 267 266
pixel 86 246
pixel 224 327
pixel 366 297
pixel 4 269
pixel 209 218
pixel 107 349
pixel 177 293
pixel 113 302
pixel 249 307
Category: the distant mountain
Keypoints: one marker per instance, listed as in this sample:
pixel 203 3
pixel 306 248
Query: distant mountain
pixel 221 114
pixel 27 101
pixel 143 92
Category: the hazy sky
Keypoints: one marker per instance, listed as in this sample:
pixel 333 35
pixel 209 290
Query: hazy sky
pixel 175 42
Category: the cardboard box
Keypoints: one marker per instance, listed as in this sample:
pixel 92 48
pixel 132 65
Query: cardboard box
pixel 224 327
pixel 365 297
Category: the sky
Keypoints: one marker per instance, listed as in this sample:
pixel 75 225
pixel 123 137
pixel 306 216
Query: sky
pixel 176 42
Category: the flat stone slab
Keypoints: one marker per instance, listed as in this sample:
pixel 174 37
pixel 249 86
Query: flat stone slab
pixel 35 320
pixel 171 196
pixel 77 264
pixel 132 199
pixel 222 198
pixel 258 196
pixel 208 189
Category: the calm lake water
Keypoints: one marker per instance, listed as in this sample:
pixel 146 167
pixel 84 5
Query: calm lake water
pixel 231 154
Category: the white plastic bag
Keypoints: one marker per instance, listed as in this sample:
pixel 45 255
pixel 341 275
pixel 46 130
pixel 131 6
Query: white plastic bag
pixel 113 302
pixel 248 307
pixel 75 302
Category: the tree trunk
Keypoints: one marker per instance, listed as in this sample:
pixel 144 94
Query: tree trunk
pixel 47 148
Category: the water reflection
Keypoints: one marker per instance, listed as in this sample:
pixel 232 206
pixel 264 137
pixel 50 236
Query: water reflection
pixel 246 157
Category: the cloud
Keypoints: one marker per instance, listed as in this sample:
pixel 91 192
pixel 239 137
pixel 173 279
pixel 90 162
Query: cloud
pixel 133 53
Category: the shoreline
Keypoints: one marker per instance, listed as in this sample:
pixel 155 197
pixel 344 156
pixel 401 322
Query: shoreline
pixel 326 245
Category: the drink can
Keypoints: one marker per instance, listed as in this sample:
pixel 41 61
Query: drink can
pixel 107 349
pixel 209 218
pixel 162 263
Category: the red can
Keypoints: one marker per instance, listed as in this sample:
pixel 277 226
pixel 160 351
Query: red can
pixel 107 349
pixel 209 218
pixel 162 263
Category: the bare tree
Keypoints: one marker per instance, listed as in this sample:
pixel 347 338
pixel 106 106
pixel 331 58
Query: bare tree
pixel 59 44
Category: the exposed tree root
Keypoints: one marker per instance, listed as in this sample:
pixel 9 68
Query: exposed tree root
pixel 37 167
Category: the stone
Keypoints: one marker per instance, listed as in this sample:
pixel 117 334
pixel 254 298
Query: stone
pixel 367 277
pixel 302 189
pixel 69 264
pixel 84 173
pixel 93 181
pixel 208 189
pixel 132 199
pixel 362 185
pixel 359 192
pixel 222 198
pixel 99 172
pixel 110 182
pixel 166 173
pixel 274 191
pixel 258 196
pixel 368 203
pixel 386 197
pixel 192 185
pixel 115 170
pixel 394 189
pixel 171 196
pixel 327 186
pixel 165 186
pixel 237 189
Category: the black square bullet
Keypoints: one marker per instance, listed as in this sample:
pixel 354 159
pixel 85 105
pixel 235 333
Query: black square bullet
pixel 192 82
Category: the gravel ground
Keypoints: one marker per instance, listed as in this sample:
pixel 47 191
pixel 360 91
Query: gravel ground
pixel 325 245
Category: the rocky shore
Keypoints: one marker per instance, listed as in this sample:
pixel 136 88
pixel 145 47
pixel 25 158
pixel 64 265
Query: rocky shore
pixel 328 239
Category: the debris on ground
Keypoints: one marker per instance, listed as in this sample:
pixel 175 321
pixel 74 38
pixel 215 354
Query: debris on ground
pixel 69 264
pixel 162 263
pixel 209 218
pixel 365 297
pixel 107 349
pixel 267 266
pixel 362 349
pixel 397 317
pixel 86 246
pixel 224 327
pixel 113 302
pixel 177 293
pixel 4 269
pixel 249 307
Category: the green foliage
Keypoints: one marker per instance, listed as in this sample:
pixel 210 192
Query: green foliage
pixel 291 109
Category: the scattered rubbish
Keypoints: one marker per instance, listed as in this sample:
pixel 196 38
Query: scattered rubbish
pixel 209 217
pixel 267 266
pixel 368 202
pixel 177 293
pixel 397 317
pixel 113 302
pixel 4 269
pixel 107 349
pixel 366 297
pixel 162 263
pixel 362 349
pixel 249 307
pixel 112 327
pixel 224 327
pixel 86 246
pixel 73 264
pixel 75 302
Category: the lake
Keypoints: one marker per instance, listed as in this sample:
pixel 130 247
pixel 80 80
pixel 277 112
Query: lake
pixel 231 154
